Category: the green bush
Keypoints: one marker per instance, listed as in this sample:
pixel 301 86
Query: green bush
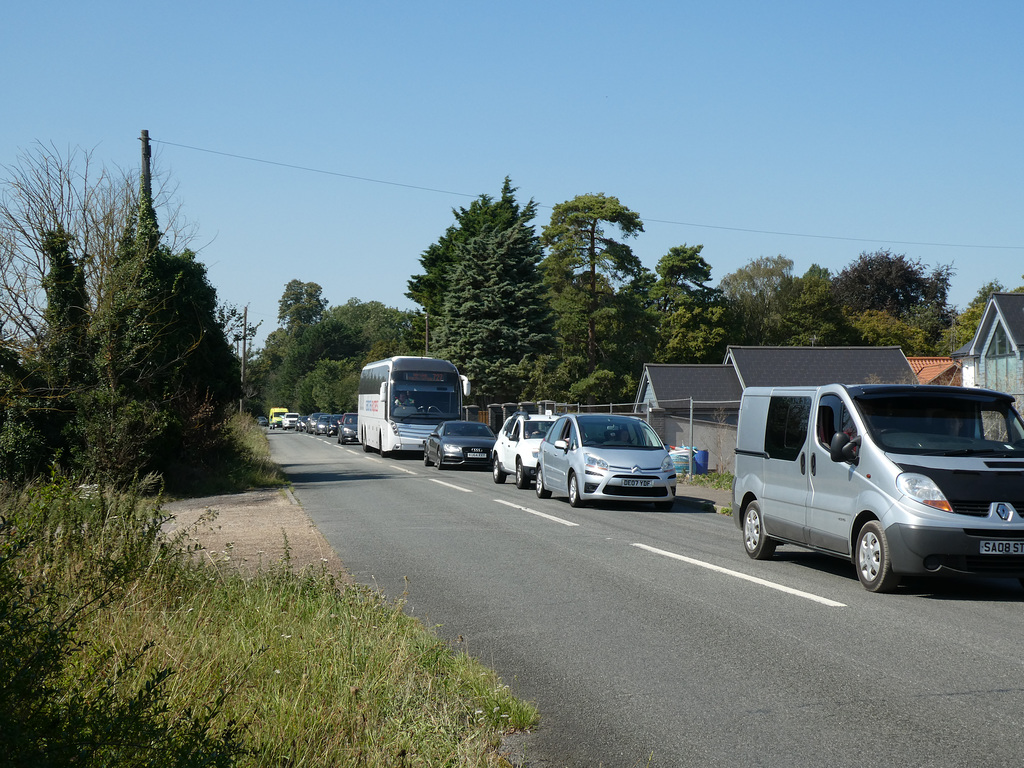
pixel 65 559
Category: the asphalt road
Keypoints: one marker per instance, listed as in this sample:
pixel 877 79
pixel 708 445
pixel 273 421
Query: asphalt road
pixel 650 639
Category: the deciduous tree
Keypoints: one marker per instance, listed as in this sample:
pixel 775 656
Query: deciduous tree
pixel 759 294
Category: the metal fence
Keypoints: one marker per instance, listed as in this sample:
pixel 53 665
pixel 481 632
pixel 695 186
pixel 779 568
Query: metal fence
pixel 704 425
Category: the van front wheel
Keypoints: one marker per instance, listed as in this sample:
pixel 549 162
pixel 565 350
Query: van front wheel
pixel 756 541
pixel 874 568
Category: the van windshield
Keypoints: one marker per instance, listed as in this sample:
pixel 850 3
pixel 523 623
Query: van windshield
pixel 943 424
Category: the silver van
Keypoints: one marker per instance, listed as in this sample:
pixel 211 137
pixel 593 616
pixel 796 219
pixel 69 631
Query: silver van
pixel 899 479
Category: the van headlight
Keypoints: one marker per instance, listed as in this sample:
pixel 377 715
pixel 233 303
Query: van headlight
pixel 923 489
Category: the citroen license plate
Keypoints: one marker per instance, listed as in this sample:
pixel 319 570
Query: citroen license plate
pixel 638 483
pixel 1002 547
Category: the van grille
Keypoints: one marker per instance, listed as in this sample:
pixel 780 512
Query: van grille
pixel 976 508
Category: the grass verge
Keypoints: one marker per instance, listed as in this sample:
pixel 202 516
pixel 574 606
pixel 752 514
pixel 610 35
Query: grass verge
pixel 117 648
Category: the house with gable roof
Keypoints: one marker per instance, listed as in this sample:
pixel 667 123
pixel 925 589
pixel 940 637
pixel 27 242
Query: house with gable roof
pixel 698 405
pixel 994 358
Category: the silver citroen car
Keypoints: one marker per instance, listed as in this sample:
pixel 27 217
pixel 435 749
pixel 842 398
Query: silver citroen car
pixel 606 457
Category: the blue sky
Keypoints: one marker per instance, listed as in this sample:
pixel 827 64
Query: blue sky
pixel 815 130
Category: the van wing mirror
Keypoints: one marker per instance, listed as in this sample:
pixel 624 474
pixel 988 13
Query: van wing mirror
pixel 843 448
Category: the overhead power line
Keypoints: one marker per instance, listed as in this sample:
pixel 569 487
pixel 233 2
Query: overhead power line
pixel 539 205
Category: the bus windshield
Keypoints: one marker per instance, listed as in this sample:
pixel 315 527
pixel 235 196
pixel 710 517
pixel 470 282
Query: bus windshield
pixel 424 395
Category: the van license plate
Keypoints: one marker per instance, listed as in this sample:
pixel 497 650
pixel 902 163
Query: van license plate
pixel 638 483
pixel 1002 547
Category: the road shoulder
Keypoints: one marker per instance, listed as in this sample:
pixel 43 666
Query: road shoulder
pixel 253 530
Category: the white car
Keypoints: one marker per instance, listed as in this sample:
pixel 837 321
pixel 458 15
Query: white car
pixel 290 420
pixel 515 451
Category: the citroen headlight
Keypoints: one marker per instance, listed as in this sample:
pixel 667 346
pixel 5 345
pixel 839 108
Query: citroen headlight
pixel 595 461
pixel 667 465
pixel 923 489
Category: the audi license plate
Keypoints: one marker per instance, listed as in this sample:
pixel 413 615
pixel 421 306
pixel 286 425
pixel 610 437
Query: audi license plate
pixel 476 455
pixel 638 483
pixel 1002 547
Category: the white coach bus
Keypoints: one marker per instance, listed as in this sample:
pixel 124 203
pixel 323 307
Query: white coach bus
pixel 402 400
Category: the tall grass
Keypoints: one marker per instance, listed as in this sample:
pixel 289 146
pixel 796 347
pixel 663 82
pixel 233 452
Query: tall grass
pixel 118 648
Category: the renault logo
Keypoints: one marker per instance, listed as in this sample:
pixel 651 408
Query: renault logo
pixel 1004 510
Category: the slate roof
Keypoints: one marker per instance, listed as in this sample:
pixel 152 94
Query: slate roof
pixel 1008 306
pixel 814 366
pixel 673 385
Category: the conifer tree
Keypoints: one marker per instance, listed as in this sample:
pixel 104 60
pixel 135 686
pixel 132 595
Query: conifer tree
pixel 497 320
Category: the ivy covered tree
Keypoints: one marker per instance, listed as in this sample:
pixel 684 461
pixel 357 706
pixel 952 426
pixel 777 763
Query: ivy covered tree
pixel 166 370
pixel 496 319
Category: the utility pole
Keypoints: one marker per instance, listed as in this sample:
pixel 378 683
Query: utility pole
pixel 147 153
pixel 245 328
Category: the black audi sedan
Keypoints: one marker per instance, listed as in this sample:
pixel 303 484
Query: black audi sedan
pixel 459 444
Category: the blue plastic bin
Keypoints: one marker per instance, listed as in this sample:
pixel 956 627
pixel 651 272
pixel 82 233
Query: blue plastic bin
pixel 700 462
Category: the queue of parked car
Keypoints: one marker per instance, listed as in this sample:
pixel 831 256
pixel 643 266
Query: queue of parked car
pixel 344 426
pixel 585 457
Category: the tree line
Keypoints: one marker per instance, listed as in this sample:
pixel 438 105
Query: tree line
pixel 117 359
pixel 570 313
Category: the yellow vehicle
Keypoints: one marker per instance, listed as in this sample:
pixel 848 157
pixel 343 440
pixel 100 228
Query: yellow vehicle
pixel 275 417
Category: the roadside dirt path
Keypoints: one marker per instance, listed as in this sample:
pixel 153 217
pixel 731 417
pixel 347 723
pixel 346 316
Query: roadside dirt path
pixel 253 530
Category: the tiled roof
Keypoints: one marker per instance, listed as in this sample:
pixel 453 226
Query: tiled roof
pixel 938 370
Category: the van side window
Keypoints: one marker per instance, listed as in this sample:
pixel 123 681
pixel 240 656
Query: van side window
pixel 832 417
pixel 786 430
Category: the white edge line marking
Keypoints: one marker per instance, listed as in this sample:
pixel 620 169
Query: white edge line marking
pixel 371 457
pixel 448 485
pixel 738 575
pixel 538 514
